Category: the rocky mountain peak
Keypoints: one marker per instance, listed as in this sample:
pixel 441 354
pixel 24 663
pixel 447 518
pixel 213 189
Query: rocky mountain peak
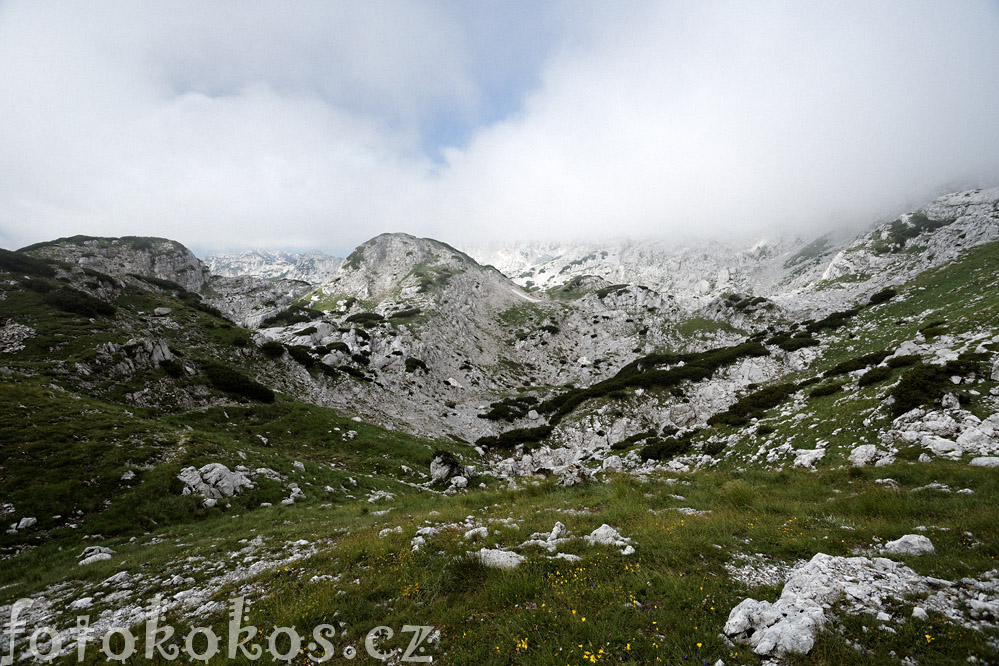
pixel 395 263
pixel 140 255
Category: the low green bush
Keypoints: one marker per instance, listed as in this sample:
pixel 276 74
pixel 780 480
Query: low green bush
pixel 874 375
pixel 78 302
pixel 232 381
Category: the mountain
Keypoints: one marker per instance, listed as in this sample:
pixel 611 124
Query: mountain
pixel 799 274
pixel 152 257
pixel 311 267
pixel 425 440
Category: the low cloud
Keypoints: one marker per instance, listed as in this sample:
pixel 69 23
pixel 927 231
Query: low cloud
pixel 319 126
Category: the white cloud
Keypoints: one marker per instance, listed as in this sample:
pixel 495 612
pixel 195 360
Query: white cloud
pixel 306 125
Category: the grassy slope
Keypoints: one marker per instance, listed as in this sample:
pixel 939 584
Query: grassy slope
pixel 533 615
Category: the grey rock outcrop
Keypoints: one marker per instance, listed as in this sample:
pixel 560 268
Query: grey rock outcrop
pixel 213 481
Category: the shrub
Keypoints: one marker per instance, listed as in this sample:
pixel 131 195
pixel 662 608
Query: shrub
pixel 882 296
pixel 232 381
pixel 293 315
pixel 360 359
pixel 23 264
pixel 307 331
pixel 510 409
pixel 173 368
pixel 355 373
pixel 832 321
pixel 874 375
pixel 405 314
pixel 78 302
pixel 796 343
pixel 934 328
pixel 511 438
pixel 272 349
pixel 858 363
pixel 339 346
pixel 302 355
pixel 826 389
pixel 754 404
pixel 366 319
pixel 765 429
pixel 714 448
pixel 414 364
pixel 903 361
pixel 641 374
pixel 664 448
pixel 920 385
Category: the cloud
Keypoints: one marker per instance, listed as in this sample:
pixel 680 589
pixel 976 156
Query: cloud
pixel 320 125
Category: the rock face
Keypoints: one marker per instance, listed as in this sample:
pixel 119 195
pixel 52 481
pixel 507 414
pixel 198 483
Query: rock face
pixel 214 481
pixel 789 625
pixel 151 257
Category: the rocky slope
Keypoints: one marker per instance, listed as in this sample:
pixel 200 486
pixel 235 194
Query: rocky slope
pixel 152 257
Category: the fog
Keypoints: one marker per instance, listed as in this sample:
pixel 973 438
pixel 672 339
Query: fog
pixel 229 126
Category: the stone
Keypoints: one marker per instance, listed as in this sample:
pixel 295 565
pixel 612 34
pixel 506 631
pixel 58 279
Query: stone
pixel 441 469
pixel 920 614
pixel 213 481
pixel 940 446
pixel 128 475
pixel 25 523
pixel 573 474
pixel 910 544
pixel 868 454
pixel 459 482
pixel 299 465
pixel 92 554
pixel 162 312
pixel 806 458
pixel 789 625
pixel 499 559
pixel 985 461
pixel 605 535
pixel 613 464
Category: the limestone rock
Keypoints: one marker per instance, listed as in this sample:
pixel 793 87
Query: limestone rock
pixel 910 544
pixel 213 481
pixel 499 559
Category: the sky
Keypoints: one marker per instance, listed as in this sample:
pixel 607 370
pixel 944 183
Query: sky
pixel 317 125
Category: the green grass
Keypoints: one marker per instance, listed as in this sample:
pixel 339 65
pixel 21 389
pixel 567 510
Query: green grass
pixel 668 600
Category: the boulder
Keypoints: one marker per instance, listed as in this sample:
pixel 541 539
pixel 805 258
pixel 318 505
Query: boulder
pixel 985 461
pixel 92 554
pixel 213 481
pixel 605 535
pixel 869 454
pixel 25 523
pixel 940 446
pixel 573 474
pixel 442 469
pixel 613 464
pixel 499 559
pixel 806 458
pixel 789 625
pixel 910 544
